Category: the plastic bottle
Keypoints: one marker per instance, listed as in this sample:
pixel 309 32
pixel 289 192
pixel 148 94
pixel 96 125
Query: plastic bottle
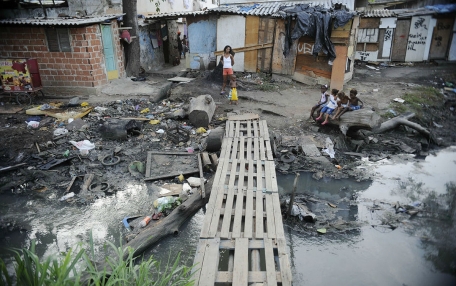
pixel 145 221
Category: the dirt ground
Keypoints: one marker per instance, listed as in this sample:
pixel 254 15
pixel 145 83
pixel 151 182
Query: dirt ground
pixel 285 106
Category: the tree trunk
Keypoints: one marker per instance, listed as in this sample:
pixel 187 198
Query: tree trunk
pixel 363 118
pixel 170 224
pixel 200 110
pixel 132 50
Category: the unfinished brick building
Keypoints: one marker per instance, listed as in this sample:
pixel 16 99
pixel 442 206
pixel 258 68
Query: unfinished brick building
pixel 74 54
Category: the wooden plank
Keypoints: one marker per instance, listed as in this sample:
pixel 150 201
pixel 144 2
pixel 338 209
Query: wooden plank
pixel 247 48
pixel 251 38
pixel 270 220
pixel 241 177
pixel 171 175
pixel 255 129
pixel 241 262
pixel 238 214
pixel 238 128
pixel 262 152
pixel 249 148
pixel 259 215
pixel 278 216
pixel 231 129
pixel 259 176
pixel 233 172
pixel 266 131
pixel 224 233
pixel 148 164
pixel 210 263
pixel 258 277
pixel 233 154
pixel 269 150
pixel 249 128
pixel 248 226
pixel 200 166
pixel 250 176
pixel 245 116
pixel 215 218
pixel 271 176
pixel 255 149
pixel 241 149
pixel 199 258
pixel 285 268
pixel 171 153
pixel 400 40
pixel 269 260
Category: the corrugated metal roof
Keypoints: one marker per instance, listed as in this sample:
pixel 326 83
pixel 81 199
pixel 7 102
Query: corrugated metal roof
pixel 256 9
pixel 60 21
pixel 176 14
pixel 272 8
pixel 379 13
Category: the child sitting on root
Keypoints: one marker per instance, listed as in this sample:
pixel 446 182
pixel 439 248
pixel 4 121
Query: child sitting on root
pixel 353 103
pixel 342 103
pixel 330 106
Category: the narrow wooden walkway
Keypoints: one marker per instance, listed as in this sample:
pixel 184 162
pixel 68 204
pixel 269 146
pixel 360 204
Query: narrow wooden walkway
pixel 242 240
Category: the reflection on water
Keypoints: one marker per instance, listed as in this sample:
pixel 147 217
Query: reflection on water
pixel 421 251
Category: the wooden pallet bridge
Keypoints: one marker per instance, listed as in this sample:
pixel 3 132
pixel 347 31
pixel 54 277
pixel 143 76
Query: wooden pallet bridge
pixel 242 240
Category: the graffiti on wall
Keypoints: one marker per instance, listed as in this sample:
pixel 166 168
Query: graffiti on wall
pixel 305 48
pixel 368 36
pixel 387 43
pixel 418 38
pixel 366 56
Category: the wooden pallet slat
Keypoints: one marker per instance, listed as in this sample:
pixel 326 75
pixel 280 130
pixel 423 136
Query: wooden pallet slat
pixel 249 128
pixel 259 215
pixel 241 262
pixel 249 148
pixel 238 129
pixel 248 225
pixel 250 176
pixel 226 223
pixel 238 214
pixel 270 220
pixel 271 274
pixel 241 148
pixel 210 263
pixel 266 132
pixel 285 269
pixel 280 233
pixel 234 150
pixel 255 129
pixel 262 149
pixel 198 261
pixel 256 149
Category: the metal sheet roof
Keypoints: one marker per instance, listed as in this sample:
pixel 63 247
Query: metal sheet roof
pixel 256 9
pixel 176 14
pixel 60 21
pixel 379 13
pixel 272 8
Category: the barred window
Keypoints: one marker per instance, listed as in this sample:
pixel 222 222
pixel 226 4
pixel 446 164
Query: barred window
pixel 58 40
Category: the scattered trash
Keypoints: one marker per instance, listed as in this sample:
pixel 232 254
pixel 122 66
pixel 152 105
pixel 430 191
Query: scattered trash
pixel 126 221
pixel 66 153
pixel 329 147
pixel 138 79
pixel 33 124
pixel 45 107
pixel 339 167
pixel 400 100
pixel 67 196
pixel 145 221
pixel 74 101
pixel 194 182
pixel 200 130
pixel 321 230
pixel 154 122
pixel 164 203
pixel 437 125
pixel 60 131
pixel 181 178
pixel 190 150
pixel 136 169
pixel 84 104
pixel 145 110
pixel 160 131
pixel 34 118
pixel 332 205
pixel 186 188
pixel 84 146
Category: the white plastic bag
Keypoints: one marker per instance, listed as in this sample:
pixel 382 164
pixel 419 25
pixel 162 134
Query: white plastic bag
pixel 164 203
pixel 60 131
pixel 33 124
pixel 83 146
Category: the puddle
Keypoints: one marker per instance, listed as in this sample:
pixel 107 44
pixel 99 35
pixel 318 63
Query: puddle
pixel 421 251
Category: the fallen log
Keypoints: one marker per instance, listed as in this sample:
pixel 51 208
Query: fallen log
pixel 403 120
pixel 363 118
pixel 170 224
pixel 200 110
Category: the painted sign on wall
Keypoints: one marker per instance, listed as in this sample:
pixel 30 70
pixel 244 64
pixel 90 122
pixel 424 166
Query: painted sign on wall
pixel 418 37
pixel 366 56
pixel 15 75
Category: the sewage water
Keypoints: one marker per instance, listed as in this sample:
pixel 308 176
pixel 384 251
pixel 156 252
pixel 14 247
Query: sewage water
pixel 420 251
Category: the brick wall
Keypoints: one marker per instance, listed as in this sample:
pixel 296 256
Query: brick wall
pixel 83 67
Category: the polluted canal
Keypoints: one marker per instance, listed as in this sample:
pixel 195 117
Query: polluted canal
pixel 370 238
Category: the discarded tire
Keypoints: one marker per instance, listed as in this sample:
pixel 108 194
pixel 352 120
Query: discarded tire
pixel 214 140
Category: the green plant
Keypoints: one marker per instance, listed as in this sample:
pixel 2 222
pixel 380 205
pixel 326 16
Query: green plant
pixel 80 269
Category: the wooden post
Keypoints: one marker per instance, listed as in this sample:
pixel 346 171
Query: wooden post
pixel 200 166
pixel 293 194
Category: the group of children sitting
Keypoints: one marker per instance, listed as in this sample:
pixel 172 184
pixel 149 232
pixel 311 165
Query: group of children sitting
pixel 337 102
